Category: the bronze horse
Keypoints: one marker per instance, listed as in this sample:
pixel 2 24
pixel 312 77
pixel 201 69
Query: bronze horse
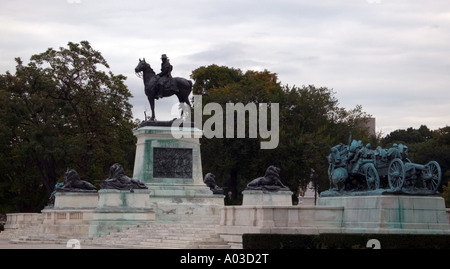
pixel 181 87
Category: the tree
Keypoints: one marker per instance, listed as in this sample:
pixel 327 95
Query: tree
pixel 310 123
pixel 408 136
pixel 239 161
pixel 65 109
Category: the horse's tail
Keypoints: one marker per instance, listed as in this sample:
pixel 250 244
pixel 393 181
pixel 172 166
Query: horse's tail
pixel 189 92
pixel 184 89
pixel 190 86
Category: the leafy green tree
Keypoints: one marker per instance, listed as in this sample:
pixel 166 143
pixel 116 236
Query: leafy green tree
pixel 234 161
pixel 408 136
pixel 310 123
pixel 65 109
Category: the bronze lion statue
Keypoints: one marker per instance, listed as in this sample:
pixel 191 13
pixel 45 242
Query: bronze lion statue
pixel 269 182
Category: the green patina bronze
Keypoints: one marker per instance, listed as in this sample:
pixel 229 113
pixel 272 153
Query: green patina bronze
pixel 356 169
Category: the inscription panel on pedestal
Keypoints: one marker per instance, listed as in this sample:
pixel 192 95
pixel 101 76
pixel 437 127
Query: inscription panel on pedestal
pixel 172 162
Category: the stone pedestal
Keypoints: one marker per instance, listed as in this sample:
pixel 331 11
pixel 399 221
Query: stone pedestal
pixel 391 213
pixel 118 209
pixel 257 197
pixel 168 161
pixel 75 200
pixel 71 214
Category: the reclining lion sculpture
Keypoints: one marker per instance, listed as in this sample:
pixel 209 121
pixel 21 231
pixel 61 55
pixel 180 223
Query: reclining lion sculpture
pixel 269 182
pixel 73 183
pixel 119 181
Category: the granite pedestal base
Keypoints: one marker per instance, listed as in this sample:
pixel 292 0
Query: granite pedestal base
pixel 75 200
pixel 71 214
pixel 118 209
pixel 391 213
pixel 185 203
pixel 168 161
pixel 343 214
pixel 261 198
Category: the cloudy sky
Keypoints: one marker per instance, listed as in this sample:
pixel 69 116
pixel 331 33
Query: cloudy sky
pixel 390 56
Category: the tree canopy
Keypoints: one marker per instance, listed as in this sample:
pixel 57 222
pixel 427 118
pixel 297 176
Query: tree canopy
pixel 310 123
pixel 408 136
pixel 64 109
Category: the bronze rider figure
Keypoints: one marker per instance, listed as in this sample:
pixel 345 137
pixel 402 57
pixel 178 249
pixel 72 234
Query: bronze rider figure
pixel 164 76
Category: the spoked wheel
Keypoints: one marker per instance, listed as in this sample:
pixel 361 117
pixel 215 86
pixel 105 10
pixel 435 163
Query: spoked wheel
pixel 372 177
pixel 431 176
pixel 396 174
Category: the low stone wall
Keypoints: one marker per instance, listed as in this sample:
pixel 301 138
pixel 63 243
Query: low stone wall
pixel 68 222
pixel 373 214
pixel 238 220
pixel 21 220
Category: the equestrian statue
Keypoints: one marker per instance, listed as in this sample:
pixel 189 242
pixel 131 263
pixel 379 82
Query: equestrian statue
pixel 163 84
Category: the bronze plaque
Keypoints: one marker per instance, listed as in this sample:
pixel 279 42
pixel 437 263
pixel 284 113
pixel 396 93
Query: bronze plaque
pixel 172 163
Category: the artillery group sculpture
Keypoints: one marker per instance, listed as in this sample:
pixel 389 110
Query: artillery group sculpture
pixel 356 167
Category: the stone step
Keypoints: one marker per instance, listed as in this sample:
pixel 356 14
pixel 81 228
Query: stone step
pixel 165 230
pixel 16 233
pixel 38 240
pixel 218 246
pixel 151 232
pixel 166 244
pixel 165 235
pixel 169 229
pixel 172 239
pixel 158 235
pixel 156 239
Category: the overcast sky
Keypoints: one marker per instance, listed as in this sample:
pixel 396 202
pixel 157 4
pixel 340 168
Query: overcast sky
pixel 390 56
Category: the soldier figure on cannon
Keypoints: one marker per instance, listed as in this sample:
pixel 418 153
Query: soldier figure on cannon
pixel 358 167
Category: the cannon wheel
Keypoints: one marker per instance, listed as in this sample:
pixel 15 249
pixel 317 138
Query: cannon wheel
pixel 396 174
pixel 372 177
pixel 431 176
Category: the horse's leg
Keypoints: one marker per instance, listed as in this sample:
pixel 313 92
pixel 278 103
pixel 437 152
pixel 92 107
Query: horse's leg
pixel 187 102
pixel 184 99
pixel 182 92
pixel 152 106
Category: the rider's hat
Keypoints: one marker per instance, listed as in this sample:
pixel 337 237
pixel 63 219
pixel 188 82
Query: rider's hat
pixel 163 56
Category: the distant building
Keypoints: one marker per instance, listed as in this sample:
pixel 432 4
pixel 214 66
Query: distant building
pixel 370 124
pixel 308 197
